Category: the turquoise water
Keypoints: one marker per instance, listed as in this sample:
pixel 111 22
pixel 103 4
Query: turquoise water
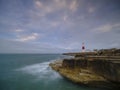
pixel 32 72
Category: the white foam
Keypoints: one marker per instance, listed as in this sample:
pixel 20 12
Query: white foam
pixel 40 70
pixel 35 68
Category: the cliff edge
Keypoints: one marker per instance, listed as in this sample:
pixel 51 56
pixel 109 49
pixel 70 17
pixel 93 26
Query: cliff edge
pixel 91 70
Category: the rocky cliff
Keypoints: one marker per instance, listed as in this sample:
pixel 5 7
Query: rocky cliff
pixel 107 69
pixel 98 70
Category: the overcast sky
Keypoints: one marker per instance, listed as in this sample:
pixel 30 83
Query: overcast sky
pixel 56 26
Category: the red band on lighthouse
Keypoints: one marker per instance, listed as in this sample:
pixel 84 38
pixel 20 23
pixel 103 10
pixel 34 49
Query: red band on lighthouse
pixel 83 47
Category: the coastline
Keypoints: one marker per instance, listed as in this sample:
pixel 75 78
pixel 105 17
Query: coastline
pixel 84 71
pixel 82 77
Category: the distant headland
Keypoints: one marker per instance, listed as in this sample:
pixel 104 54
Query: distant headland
pixel 99 68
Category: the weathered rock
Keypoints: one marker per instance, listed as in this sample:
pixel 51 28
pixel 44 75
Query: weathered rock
pixel 97 69
pixel 83 75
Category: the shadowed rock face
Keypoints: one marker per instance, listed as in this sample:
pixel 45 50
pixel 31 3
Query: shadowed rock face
pixel 107 69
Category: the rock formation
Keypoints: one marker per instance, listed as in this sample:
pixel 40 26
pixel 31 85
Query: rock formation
pixel 100 68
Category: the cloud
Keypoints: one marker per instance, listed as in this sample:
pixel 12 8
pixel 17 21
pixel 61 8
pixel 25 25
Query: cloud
pixel 107 28
pixel 55 5
pixel 38 4
pixel 24 38
pixel 91 9
pixel 73 6
pixel 53 13
pixel 42 8
pixel 60 3
pixel 54 24
pixel 115 44
pixel 65 18
pixel 18 30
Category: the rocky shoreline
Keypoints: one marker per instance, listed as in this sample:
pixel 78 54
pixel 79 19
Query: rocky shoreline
pixel 86 74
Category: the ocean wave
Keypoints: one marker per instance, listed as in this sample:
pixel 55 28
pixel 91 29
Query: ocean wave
pixel 40 70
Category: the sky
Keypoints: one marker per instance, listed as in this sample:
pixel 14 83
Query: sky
pixel 58 26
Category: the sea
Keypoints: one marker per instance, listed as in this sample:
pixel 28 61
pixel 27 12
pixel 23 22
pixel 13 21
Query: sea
pixel 32 72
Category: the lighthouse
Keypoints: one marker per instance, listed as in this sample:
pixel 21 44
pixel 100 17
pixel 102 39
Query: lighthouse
pixel 83 47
